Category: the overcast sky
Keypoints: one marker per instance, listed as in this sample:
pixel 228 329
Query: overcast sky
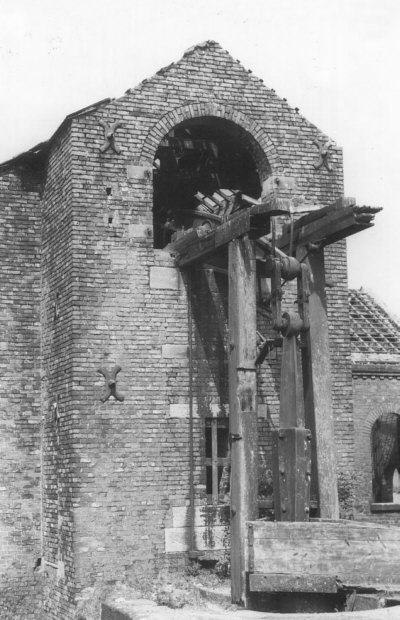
pixel 337 60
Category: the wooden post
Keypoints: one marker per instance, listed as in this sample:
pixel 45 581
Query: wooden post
pixel 318 393
pixel 291 443
pixel 242 406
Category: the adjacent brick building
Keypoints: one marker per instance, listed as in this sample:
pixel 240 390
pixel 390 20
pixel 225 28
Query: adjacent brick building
pixel 375 339
pixel 114 401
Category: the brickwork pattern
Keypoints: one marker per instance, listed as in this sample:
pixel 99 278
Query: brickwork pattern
pixel 340 352
pixel 373 397
pixel 19 394
pixel 60 390
pixel 126 494
pixel 113 471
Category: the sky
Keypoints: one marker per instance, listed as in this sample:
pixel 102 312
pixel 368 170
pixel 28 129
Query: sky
pixel 337 60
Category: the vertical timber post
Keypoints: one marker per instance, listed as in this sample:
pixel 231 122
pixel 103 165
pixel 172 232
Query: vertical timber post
pixel 242 406
pixel 318 392
pixel 291 442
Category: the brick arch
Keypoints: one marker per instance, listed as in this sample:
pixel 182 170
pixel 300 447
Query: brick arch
pixel 382 409
pixel 255 133
pixel 363 460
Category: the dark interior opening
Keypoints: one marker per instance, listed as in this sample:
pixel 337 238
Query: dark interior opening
pixel 217 458
pixel 385 443
pixel 199 155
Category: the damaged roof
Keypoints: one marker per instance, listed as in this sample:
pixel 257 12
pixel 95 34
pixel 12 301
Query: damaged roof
pixel 38 154
pixel 375 335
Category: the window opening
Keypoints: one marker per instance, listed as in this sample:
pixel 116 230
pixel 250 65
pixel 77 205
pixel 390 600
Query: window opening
pixel 217 458
pixel 385 440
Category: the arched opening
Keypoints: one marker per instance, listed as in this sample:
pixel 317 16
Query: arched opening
pixel 385 444
pixel 201 164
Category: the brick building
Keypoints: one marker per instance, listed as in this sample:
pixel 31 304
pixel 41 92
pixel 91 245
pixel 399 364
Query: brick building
pixel 114 404
pixel 375 337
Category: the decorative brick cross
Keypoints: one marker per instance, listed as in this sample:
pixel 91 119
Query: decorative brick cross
pixel 111 383
pixel 323 159
pixel 109 136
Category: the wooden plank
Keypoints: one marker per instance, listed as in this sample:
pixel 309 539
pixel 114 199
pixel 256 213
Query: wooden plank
pixel 318 392
pixel 291 409
pixel 344 231
pixel 237 225
pixel 340 203
pixel 366 601
pixel 291 455
pixel 315 230
pixel 357 555
pixel 278 582
pixel 338 224
pixel 373 559
pixel 200 248
pixel 242 406
pixel 352 564
pixel 325 529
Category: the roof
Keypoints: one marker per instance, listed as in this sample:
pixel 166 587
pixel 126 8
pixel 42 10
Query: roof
pixel 375 335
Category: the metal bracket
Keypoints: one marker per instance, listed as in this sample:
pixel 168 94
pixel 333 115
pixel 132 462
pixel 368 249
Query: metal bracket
pixel 265 346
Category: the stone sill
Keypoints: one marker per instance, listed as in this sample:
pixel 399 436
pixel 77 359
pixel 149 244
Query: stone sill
pixel 385 507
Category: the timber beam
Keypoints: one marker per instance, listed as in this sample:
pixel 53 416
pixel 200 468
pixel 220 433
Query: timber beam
pixel 196 245
pixel 242 407
pixel 320 227
pixel 329 224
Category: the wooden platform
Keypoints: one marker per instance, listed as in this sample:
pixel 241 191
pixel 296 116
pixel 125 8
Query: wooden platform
pixel 322 556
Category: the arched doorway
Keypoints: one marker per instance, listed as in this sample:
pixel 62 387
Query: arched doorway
pixel 385 445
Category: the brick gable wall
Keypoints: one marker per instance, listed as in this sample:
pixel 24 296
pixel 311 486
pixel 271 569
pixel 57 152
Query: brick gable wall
pixel 116 473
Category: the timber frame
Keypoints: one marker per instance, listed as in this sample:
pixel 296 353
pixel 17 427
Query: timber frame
pixel 232 245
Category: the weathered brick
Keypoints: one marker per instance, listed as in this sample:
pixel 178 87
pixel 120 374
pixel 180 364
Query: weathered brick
pixel 84 288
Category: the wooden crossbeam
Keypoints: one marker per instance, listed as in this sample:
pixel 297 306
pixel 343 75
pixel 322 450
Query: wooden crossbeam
pixel 324 226
pixel 329 224
pixel 195 246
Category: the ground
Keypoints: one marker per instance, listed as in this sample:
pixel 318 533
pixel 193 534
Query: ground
pixel 194 586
